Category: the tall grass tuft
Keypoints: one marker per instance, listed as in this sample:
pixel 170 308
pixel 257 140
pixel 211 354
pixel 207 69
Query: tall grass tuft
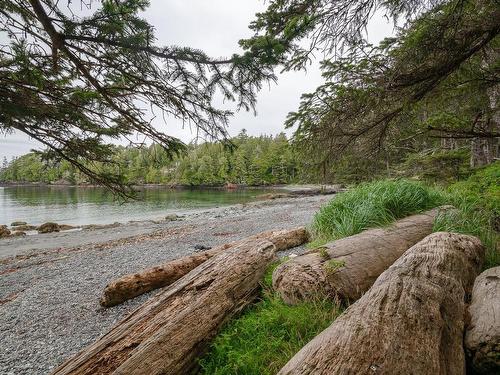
pixel 266 335
pixel 370 205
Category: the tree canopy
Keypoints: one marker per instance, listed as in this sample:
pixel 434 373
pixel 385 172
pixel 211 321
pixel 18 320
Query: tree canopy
pixel 75 82
pixel 437 78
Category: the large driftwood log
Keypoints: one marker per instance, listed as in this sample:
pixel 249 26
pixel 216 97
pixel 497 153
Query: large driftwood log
pixel 133 285
pixel 411 321
pixel 168 332
pixel 482 339
pixel 346 268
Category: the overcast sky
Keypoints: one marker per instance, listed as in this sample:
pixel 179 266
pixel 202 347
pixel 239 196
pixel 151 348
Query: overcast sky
pixel 215 27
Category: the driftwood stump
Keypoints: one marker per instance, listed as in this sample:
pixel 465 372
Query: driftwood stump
pixel 133 285
pixel 167 333
pixel 482 340
pixel 411 321
pixel 346 268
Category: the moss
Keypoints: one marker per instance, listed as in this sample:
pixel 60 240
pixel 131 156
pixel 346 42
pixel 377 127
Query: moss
pixel 333 265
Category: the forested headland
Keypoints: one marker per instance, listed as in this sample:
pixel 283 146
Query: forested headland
pixel 247 160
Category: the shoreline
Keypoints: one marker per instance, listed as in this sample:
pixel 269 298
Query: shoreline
pixel 29 245
pixel 49 295
pixel 155 215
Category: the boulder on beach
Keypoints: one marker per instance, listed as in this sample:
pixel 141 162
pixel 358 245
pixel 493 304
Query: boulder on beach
pixel 18 223
pixel 18 233
pixel 4 231
pixel 49 228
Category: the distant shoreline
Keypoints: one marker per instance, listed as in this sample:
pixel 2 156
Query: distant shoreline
pixel 170 186
pixel 292 189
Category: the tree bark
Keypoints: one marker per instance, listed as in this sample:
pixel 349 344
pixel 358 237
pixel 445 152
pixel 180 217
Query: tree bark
pixel 482 339
pixel 411 321
pixel 346 268
pixel 167 333
pixel 133 285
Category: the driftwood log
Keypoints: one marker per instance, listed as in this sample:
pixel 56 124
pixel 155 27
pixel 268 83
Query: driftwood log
pixel 133 285
pixel 482 339
pixel 411 321
pixel 346 268
pixel 166 334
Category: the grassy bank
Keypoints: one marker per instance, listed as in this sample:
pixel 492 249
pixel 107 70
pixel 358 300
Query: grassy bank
pixel 269 333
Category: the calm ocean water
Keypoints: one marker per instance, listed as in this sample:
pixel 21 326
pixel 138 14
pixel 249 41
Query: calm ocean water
pixel 93 205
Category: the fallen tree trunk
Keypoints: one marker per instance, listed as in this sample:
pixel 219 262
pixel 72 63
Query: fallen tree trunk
pixel 411 321
pixel 133 285
pixel 167 333
pixel 346 268
pixel 482 339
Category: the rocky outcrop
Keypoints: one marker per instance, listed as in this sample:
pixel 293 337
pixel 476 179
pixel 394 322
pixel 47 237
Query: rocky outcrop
pixel 18 223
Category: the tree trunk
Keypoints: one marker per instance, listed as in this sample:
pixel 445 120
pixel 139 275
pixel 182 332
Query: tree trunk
pixel 346 268
pixel 133 285
pixel 482 340
pixel 168 332
pixel 411 321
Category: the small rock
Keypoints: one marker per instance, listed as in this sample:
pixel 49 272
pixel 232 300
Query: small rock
pixel 49 228
pixel 4 231
pixel 18 233
pixel 201 247
pixel 17 223
pixel 172 217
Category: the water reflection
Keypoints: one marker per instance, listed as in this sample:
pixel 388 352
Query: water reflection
pixel 94 205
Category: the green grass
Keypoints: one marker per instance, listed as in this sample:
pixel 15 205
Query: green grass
pixel 266 335
pixel 370 205
pixel 478 202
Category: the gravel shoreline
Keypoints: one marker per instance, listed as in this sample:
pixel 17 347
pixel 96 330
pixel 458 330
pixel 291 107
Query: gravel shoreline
pixel 50 284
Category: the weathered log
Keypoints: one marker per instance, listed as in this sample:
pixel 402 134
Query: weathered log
pixel 167 333
pixel 411 321
pixel 133 285
pixel 482 339
pixel 346 268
